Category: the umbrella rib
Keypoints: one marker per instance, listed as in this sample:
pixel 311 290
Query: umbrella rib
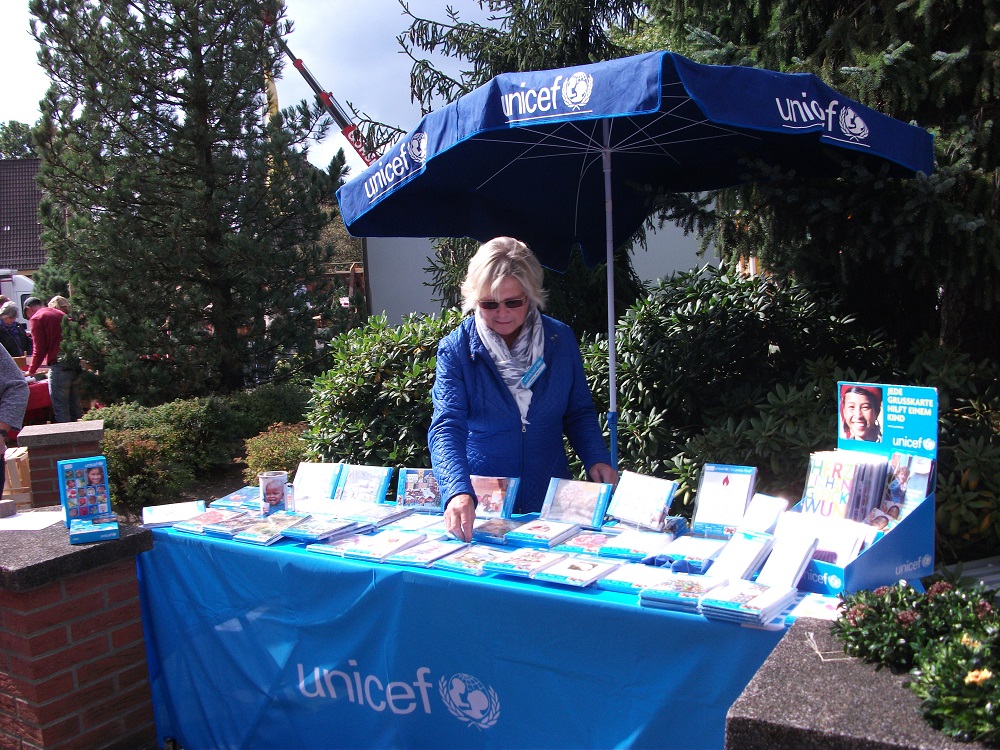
pixel 566 146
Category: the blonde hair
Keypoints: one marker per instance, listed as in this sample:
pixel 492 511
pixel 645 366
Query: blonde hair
pixel 61 303
pixel 502 258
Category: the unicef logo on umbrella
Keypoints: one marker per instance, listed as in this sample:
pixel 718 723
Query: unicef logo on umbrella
pixel 417 147
pixel 576 89
pixel 852 125
pixel 469 700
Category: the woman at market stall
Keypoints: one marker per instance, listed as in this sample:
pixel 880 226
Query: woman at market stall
pixel 509 385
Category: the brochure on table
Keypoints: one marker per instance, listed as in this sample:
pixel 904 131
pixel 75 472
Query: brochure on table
pixel 908 418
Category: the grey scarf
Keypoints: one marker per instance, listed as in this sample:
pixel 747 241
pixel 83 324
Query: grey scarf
pixel 513 362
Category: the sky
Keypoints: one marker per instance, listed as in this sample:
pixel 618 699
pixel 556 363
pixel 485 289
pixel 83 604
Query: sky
pixel 349 46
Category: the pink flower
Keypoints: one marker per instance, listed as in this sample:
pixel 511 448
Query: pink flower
pixel 939 588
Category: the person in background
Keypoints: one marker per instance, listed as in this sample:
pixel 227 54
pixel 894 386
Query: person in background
pixel 13 335
pixel 509 384
pixel 61 303
pixel 31 306
pixel 46 334
pixel 13 400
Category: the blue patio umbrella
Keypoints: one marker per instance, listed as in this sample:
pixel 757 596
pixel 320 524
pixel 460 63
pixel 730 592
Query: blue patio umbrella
pixel 570 158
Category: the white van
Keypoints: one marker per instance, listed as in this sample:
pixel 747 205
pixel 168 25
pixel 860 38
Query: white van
pixel 18 288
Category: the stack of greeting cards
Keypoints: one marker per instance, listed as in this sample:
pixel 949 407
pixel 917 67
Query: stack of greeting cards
pixel 472 560
pixel 577 570
pixel 426 553
pixel 158 516
pixel 362 484
pixel 839 540
pixel 196 524
pixel 373 514
pixel 634 544
pixel 696 551
pixel 680 592
pixel 762 513
pixel 230 527
pixel 641 500
pixel 319 527
pixel 377 547
pixel 747 602
pixel 631 578
pixel 724 492
pixel 573 501
pixel 742 555
pixel 523 562
pixel 494 530
pixel 269 530
pixel 541 533
pixel 336 545
pixel 570 505
pixel 844 484
pixel 774 589
pixel 246 499
pixel 314 486
pixel 418 489
pixel 494 495
pixel 588 542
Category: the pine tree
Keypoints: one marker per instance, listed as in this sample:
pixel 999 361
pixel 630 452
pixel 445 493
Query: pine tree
pixel 15 141
pixel 524 35
pixel 915 256
pixel 186 221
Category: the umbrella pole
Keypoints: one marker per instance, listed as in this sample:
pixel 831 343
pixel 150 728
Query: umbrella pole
pixel 609 241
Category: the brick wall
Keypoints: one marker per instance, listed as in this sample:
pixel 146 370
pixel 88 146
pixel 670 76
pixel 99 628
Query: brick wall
pixel 50 443
pixel 73 670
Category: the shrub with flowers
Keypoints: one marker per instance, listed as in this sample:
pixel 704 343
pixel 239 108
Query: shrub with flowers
pixel 947 638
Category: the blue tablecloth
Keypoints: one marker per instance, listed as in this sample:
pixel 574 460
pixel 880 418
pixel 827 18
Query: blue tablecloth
pixel 277 647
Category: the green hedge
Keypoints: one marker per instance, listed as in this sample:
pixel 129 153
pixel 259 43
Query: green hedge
pixel 374 406
pixel 154 451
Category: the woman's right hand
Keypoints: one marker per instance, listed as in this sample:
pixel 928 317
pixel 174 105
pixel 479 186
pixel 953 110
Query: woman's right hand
pixel 459 516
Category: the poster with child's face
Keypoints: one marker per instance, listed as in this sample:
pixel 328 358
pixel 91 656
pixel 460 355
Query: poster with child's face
pixel 861 412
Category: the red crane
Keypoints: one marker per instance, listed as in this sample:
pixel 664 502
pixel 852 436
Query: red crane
pixel 332 106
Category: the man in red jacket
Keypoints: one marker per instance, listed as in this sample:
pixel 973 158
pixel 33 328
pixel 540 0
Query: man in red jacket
pixel 46 336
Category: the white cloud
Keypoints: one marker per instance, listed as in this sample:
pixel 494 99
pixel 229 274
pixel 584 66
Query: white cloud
pixel 349 46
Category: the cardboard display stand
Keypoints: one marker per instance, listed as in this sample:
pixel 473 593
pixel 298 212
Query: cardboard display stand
pixel 908 422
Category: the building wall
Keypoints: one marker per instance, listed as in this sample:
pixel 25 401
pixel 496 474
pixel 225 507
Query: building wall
pixel 397 281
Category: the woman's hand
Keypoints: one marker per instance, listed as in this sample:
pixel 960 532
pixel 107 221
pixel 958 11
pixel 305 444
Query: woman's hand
pixel 603 473
pixel 459 516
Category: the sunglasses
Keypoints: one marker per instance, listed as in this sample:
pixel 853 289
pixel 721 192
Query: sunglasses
pixel 510 304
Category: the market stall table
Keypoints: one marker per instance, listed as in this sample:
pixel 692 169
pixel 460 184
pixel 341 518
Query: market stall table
pixel 39 410
pixel 278 647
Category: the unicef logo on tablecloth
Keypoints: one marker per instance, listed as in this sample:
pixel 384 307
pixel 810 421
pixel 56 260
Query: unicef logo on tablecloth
pixel 417 147
pixel 469 700
pixel 852 125
pixel 576 89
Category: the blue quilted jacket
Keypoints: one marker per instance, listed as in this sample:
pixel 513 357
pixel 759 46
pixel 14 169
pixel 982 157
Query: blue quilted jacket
pixel 476 428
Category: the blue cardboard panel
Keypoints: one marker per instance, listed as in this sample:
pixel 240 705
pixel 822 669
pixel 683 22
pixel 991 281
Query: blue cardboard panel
pixel 905 552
